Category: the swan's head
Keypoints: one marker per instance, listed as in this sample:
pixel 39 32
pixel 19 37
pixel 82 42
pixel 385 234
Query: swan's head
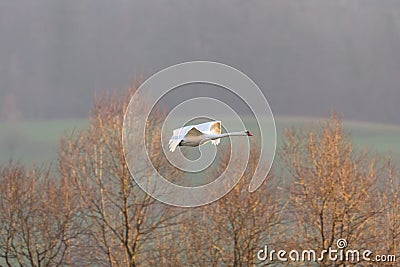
pixel 248 133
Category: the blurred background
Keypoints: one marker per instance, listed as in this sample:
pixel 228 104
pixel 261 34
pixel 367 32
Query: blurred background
pixel 309 57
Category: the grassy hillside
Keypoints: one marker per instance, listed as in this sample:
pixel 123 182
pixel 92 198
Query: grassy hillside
pixel 34 141
pixel 37 141
pixel 381 138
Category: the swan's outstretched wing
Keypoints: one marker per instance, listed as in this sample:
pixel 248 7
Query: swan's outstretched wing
pixel 194 132
pixel 181 133
pixel 214 127
pixel 209 127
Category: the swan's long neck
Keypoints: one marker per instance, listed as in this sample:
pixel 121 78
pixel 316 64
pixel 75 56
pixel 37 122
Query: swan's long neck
pixel 216 136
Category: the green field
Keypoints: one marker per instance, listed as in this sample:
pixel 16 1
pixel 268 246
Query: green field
pixel 37 141
pixel 381 138
pixel 34 141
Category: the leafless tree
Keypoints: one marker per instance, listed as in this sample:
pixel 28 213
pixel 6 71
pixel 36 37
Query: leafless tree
pixel 332 189
pixel 230 231
pixel 387 226
pixel 37 217
pixel 122 222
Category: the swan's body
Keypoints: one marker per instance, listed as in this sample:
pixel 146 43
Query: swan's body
pixel 195 135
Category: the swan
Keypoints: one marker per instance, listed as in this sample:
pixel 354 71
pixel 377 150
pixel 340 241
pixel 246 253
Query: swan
pixel 196 135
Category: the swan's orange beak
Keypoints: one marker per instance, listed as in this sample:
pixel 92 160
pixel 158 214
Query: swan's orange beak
pixel 248 133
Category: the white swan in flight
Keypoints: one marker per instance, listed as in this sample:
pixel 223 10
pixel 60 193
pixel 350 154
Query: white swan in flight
pixel 195 135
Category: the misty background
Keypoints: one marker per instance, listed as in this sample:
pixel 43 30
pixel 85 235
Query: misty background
pixel 308 57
